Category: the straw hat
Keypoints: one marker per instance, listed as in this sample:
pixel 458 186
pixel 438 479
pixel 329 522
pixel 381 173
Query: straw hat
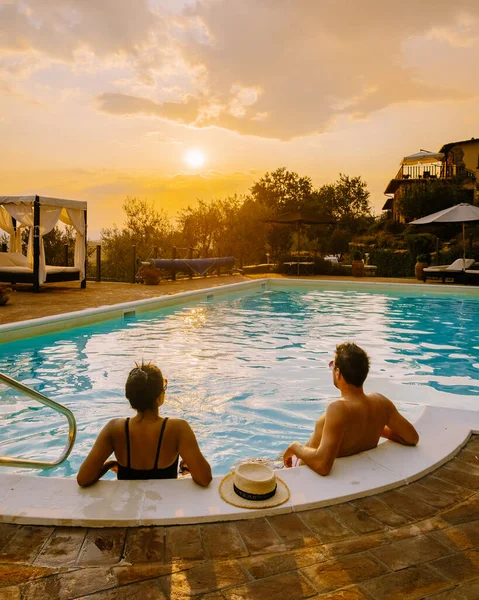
pixel 253 485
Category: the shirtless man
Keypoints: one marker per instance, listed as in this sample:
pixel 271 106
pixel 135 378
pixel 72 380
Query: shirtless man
pixel 353 423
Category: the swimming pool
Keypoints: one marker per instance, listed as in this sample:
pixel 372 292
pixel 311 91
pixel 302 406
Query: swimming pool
pixel 249 371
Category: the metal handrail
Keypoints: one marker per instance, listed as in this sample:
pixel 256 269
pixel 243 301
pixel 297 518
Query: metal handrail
pixel 8 461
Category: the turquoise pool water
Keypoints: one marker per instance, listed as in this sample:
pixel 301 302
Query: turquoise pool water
pixel 249 373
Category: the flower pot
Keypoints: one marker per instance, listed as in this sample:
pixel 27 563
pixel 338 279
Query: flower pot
pixel 357 268
pixel 419 270
pixel 151 280
pixel 3 299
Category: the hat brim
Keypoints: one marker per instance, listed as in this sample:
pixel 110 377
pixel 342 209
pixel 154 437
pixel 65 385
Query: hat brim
pixel 228 494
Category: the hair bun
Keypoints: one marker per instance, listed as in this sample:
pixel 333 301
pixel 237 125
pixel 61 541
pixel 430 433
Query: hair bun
pixel 139 375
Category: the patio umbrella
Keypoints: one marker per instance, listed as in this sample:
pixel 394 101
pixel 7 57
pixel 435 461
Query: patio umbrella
pixel 460 213
pixel 298 218
pixel 422 157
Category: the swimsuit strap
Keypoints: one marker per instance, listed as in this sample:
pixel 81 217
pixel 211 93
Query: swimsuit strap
pixel 127 432
pixel 159 442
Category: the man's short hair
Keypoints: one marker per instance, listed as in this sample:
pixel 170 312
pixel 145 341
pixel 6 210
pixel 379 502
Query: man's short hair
pixel 352 362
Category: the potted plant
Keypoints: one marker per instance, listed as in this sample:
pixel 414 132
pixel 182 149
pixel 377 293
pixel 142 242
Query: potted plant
pixel 422 262
pixel 357 267
pixel 4 295
pixel 151 276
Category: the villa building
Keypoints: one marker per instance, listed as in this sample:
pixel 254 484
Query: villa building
pixel 457 162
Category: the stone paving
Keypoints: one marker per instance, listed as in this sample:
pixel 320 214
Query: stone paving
pixel 419 541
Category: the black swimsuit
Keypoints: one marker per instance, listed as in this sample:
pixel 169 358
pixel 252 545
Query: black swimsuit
pixel 127 472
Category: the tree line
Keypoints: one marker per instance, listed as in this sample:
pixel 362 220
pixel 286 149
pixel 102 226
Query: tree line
pixel 240 225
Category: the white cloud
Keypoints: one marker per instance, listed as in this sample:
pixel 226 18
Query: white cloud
pixel 275 68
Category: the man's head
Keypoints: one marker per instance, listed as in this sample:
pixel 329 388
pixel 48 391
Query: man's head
pixel 352 363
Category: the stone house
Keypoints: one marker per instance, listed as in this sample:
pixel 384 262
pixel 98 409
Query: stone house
pixel 455 161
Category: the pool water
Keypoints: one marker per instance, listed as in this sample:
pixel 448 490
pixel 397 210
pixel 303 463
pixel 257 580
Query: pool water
pixel 249 373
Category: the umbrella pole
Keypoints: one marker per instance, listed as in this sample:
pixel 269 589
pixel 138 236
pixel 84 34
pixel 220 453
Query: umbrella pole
pixel 299 236
pixel 464 246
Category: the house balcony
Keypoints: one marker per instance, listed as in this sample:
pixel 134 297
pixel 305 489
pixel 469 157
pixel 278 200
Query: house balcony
pixel 429 172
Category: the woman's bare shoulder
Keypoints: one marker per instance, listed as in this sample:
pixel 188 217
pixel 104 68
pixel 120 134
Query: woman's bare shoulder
pixel 178 424
pixel 115 425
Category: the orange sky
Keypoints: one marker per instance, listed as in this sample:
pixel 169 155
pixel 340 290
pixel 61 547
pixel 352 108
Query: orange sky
pixel 103 99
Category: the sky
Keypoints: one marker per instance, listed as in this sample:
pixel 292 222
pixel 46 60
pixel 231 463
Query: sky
pixel 174 100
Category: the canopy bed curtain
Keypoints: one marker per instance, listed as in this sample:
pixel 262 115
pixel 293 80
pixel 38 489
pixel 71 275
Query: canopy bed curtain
pixel 40 214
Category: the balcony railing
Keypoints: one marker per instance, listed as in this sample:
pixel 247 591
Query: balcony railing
pixel 434 172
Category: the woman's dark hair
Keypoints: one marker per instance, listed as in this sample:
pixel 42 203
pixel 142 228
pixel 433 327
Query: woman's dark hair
pixel 143 386
pixel 352 362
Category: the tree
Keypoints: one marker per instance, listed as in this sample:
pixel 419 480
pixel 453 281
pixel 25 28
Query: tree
pixel 200 225
pixel 425 197
pixel 54 244
pixel 282 190
pixel 245 231
pixel 146 228
pixel 346 201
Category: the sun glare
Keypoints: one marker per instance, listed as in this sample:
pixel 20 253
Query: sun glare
pixel 195 158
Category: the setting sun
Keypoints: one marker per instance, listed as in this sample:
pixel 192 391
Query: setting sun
pixel 195 158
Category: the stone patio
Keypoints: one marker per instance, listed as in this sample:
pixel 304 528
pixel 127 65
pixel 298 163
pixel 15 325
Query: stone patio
pixel 419 541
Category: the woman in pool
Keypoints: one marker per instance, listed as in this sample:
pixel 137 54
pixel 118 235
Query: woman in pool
pixel 147 446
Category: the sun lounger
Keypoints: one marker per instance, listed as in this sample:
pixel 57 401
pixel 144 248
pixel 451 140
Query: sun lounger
pixel 471 276
pixel 454 271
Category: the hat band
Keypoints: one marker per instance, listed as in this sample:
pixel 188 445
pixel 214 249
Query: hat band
pixel 257 497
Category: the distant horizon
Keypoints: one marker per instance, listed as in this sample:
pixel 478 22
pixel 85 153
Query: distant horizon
pixel 175 100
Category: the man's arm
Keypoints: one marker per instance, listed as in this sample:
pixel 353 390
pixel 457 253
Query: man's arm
pixel 399 429
pixel 321 459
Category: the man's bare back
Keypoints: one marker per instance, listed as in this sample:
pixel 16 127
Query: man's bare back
pixel 354 423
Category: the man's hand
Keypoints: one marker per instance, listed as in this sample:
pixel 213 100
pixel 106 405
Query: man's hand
pixel 184 469
pixel 288 455
pixel 110 465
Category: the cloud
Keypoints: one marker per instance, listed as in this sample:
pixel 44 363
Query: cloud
pixel 59 27
pixel 123 104
pixel 281 69
pixel 276 68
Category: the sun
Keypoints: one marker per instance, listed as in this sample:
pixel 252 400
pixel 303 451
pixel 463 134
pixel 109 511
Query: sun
pixel 195 158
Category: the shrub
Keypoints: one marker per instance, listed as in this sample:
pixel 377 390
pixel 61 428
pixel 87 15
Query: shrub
pixel 357 255
pixel 392 263
pixel 424 258
pixel 394 227
pixel 420 243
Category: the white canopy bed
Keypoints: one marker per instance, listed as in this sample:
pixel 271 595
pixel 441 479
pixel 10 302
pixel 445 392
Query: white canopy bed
pixel 40 214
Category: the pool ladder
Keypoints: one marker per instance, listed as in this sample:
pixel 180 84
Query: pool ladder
pixel 26 463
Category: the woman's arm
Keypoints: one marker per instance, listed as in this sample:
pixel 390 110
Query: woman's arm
pixel 95 464
pixel 191 454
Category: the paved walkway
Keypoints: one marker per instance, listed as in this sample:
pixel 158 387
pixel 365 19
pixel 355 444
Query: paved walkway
pixel 419 541
pixel 53 300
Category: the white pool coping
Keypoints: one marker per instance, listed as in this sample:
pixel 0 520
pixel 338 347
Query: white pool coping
pixel 32 500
